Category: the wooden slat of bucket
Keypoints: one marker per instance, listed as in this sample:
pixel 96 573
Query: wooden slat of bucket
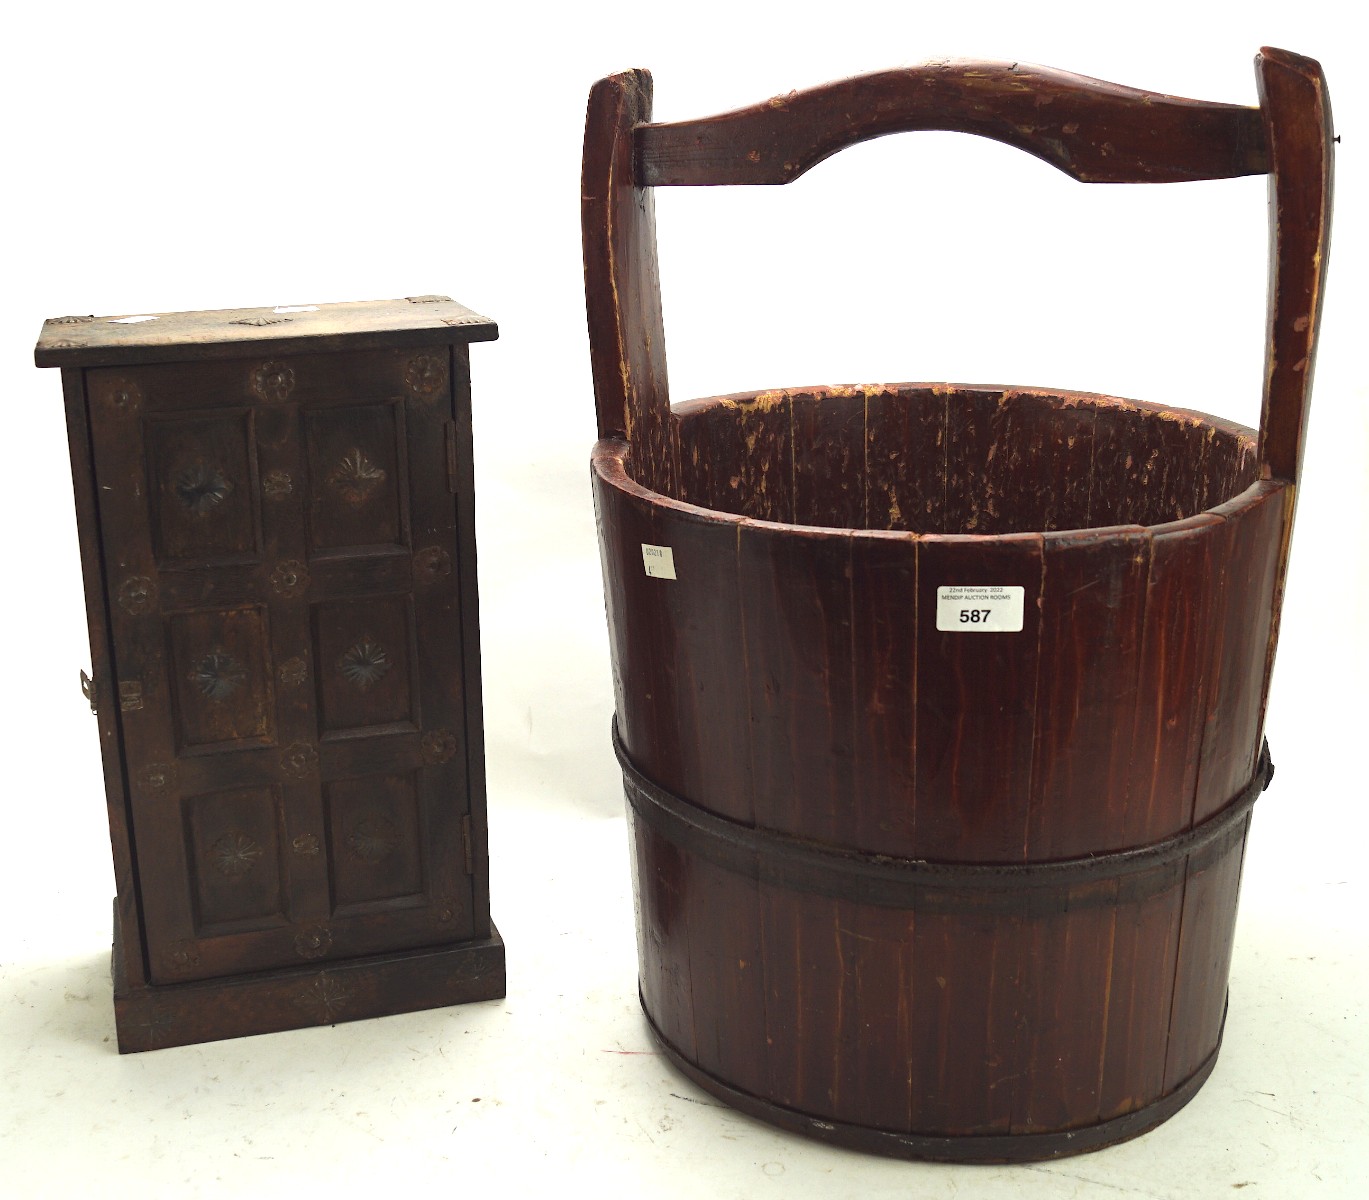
pixel 1144 945
pixel 1171 702
pixel 687 721
pixel 966 973
pixel 1003 461
pixel 802 998
pixel 1092 605
pixel 639 629
pixel 905 459
pixel 796 609
pixel 663 883
pixel 739 454
pixel 727 972
pixel 709 759
pixel 1244 634
pixel 883 818
pixel 829 476
pixel 1204 961
pixel 874 1067
pixel 1064 1011
pixel 976 705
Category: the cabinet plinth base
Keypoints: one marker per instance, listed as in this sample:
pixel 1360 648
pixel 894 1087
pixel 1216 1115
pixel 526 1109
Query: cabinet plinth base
pixel 155 1016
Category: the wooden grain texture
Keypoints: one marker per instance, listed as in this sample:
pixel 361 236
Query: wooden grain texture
pixel 622 285
pixel 1297 115
pixel 976 704
pixel 944 894
pixel 796 596
pixel 1092 608
pixel 1242 634
pixel 1094 131
pixel 236 332
pixel 1206 934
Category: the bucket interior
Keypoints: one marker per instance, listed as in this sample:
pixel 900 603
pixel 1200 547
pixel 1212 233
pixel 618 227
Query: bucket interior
pixel 956 460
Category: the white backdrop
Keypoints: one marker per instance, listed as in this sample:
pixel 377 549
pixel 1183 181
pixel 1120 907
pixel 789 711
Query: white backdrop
pixel 173 156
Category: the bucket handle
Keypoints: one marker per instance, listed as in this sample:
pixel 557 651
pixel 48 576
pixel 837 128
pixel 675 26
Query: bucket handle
pixel 1094 131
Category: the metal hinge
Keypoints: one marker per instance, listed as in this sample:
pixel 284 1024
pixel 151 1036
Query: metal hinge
pixel 466 842
pixel 88 691
pixel 450 429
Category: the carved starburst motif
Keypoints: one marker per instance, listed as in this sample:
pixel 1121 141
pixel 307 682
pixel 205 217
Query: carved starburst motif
pixel 365 664
pixel 201 488
pixel 155 1025
pixel 218 675
pixel 356 477
pixel 373 838
pixel 325 999
pixel 235 854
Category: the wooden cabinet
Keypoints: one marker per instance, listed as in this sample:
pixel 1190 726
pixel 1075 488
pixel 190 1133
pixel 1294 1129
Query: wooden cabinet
pixel 276 520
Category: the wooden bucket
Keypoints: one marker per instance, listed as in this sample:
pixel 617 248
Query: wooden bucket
pixel 940 708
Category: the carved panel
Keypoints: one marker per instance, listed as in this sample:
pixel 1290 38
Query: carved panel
pixel 218 675
pixel 365 664
pixel 374 840
pixel 202 500
pixel 356 478
pixel 221 676
pixel 233 847
pixel 356 481
pixel 235 853
pixel 363 651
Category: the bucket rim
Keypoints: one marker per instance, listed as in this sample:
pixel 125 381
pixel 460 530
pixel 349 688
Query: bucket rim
pixel 608 461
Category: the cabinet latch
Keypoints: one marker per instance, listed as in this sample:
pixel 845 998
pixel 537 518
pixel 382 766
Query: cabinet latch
pixel 88 691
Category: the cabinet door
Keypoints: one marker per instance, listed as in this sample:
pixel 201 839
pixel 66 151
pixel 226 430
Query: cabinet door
pixel 280 548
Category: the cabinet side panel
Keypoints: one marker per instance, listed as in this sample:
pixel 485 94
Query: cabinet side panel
pixel 128 922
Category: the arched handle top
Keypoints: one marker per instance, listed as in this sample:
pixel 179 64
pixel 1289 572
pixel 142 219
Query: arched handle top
pixel 1094 131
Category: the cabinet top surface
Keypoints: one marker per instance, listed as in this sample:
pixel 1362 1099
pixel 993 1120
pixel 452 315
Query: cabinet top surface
pixel 231 332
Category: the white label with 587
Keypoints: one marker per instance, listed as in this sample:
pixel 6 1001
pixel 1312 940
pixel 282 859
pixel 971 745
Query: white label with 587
pixel 974 608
